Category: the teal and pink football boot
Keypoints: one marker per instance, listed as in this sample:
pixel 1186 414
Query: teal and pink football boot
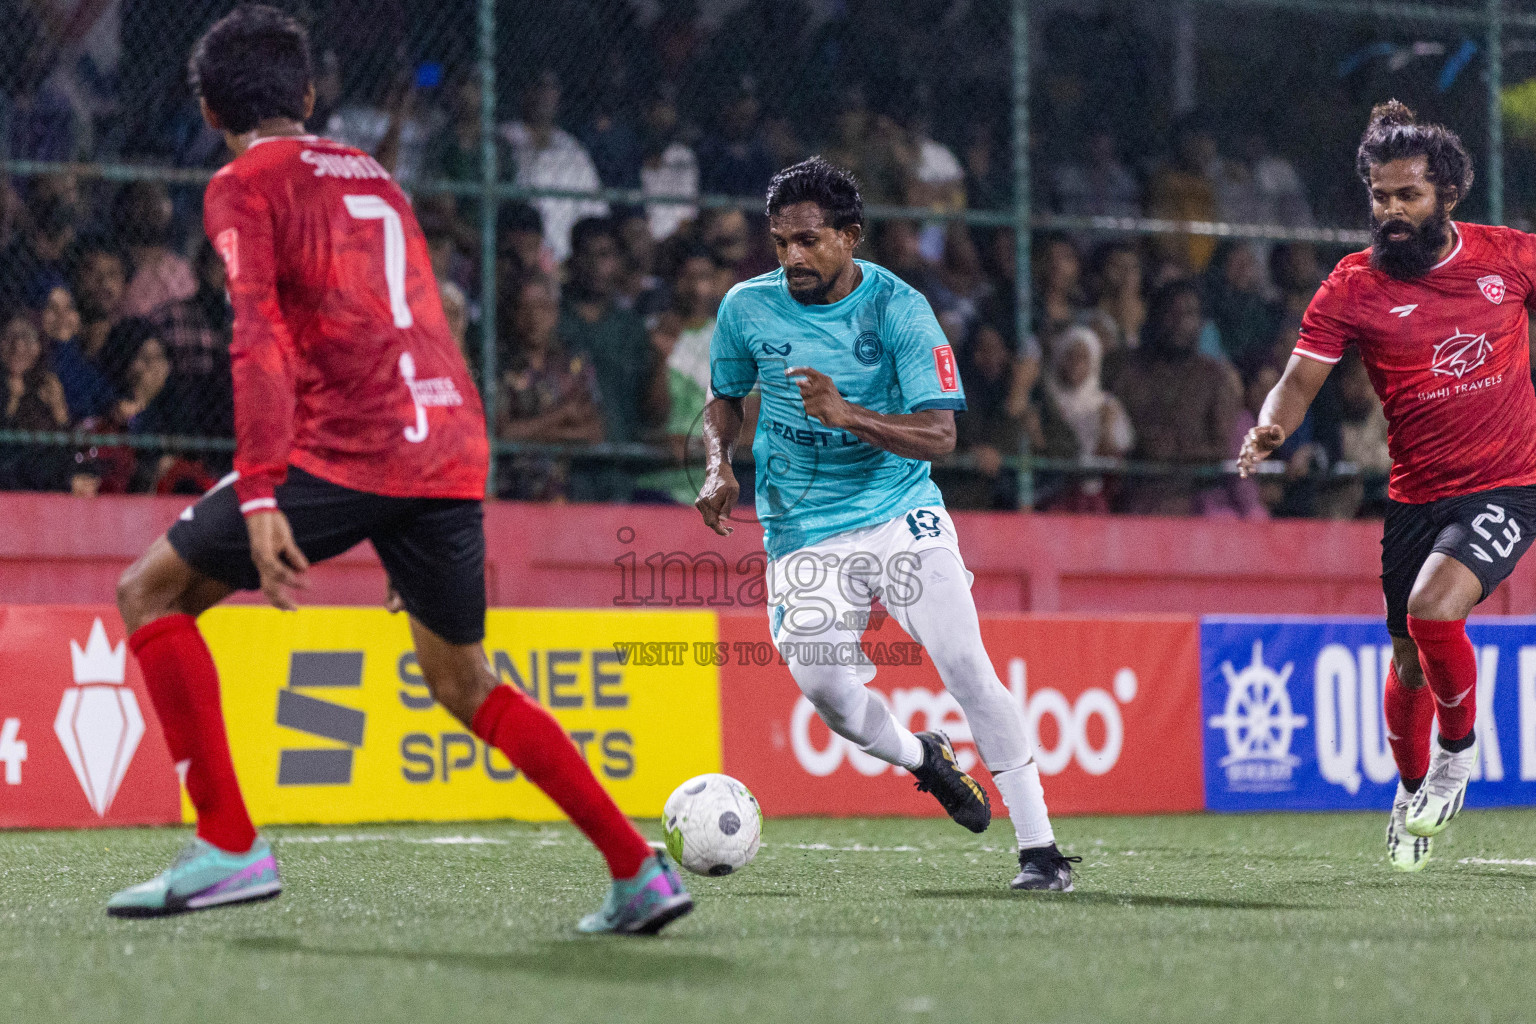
pixel 202 876
pixel 644 904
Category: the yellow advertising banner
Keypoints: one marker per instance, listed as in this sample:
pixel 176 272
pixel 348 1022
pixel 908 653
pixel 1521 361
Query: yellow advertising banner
pixel 331 722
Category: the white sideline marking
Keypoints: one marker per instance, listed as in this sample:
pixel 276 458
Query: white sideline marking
pixel 855 848
pixel 431 841
pixel 335 839
pixel 555 841
pixel 1526 862
pixel 460 841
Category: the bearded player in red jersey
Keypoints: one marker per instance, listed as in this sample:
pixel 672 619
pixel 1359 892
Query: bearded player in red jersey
pixel 355 419
pixel 1438 310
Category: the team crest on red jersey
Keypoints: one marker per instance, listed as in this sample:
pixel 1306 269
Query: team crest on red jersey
pixel 1461 353
pixel 1492 288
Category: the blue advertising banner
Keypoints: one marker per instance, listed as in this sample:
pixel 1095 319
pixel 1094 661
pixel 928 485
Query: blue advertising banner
pixel 1293 719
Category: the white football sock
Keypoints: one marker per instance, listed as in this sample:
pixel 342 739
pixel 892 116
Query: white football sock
pixel 1025 798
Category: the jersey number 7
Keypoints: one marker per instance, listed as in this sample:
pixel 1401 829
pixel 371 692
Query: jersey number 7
pixel 368 207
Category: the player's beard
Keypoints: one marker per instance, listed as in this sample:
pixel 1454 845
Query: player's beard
pixel 812 294
pixel 1413 256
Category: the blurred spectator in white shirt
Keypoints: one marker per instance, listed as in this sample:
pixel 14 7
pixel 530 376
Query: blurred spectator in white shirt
pixel 668 166
pixel 935 179
pixel 546 156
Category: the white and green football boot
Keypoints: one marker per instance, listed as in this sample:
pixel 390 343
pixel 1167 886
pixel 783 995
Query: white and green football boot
pixel 1439 799
pixel 202 876
pixel 644 904
pixel 1406 851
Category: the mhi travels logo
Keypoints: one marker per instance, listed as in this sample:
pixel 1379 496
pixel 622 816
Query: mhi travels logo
pixel 1460 354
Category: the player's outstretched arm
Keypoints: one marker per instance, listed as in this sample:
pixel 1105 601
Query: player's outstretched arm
pixel 723 418
pixel 1283 410
pixel 922 435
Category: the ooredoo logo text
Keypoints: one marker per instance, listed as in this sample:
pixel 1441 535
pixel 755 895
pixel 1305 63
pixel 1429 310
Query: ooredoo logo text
pixel 1096 751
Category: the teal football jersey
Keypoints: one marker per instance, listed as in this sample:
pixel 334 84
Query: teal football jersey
pixel 883 348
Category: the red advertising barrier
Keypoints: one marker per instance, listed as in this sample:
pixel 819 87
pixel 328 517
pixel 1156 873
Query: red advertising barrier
pixel 79 744
pixel 58 549
pixel 1112 706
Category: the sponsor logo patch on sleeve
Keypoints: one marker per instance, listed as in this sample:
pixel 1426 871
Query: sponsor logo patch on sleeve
pixel 944 364
pixel 228 245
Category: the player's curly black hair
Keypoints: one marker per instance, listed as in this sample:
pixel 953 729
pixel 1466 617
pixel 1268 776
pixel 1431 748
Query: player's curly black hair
pixel 1396 134
pixel 818 181
pixel 253 64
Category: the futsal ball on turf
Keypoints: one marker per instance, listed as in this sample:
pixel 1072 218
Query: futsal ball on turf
pixel 713 825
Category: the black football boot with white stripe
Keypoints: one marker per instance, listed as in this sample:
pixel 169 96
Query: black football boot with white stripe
pixel 961 796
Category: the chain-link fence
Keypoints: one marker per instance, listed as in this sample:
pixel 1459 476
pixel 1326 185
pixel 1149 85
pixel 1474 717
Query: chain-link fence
pixel 1195 146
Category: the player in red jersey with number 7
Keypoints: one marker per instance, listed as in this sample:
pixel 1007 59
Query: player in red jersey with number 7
pixel 1439 312
pixel 355 419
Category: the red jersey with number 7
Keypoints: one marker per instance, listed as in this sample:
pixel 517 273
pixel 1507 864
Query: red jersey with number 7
pixel 1449 355
pixel 342 359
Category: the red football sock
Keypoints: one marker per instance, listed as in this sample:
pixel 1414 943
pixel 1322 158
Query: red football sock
pixel 539 748
pixel 1410 714
pixel 1450 665
pixel 183 684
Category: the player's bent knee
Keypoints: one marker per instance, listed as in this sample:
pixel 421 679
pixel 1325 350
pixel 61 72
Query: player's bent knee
pixel 137 600
pixel 1436 604
pixel 160 583
pixel 128 595
pixel 836 719
pixel 837 698
pixel 460 689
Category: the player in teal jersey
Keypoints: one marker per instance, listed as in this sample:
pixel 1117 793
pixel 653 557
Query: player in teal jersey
pixel 859 393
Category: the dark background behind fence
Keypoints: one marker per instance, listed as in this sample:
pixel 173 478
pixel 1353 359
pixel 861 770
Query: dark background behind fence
pixel 1202 142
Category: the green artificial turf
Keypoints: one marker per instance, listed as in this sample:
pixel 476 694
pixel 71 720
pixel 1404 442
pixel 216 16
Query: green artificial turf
pixel 1244 918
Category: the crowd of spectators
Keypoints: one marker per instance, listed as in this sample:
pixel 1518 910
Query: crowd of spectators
pixel 108 329
pixel 1140 352
pixel 1153 348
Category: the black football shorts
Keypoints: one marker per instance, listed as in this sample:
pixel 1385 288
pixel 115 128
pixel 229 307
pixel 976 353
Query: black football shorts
pixel 1487 532
pixel 432 548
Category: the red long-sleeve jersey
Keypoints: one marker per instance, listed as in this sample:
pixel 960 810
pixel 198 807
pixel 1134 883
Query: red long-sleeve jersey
pixel 342 359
